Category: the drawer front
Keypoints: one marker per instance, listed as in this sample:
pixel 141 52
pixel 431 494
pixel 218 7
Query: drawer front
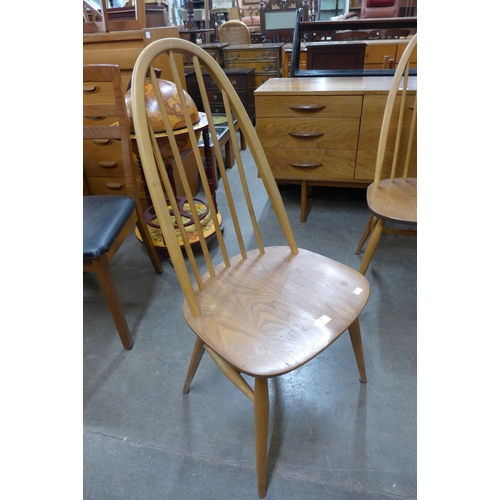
pixel 260 79
pixel 308 106
pixel 261 67
pixel 112 185
pixel 316 133
pixel 216 97
pixel 102 159
pixel 253 54
pixel 312 164
pixel 237 81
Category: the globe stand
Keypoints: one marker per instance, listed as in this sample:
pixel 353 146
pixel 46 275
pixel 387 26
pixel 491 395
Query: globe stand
pixel 202 209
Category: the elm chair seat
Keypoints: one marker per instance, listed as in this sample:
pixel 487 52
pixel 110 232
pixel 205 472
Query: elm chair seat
pixel 104 217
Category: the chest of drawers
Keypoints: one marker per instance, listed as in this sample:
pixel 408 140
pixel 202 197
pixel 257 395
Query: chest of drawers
pixel 323 131
pixel 265 58
pixel 243 81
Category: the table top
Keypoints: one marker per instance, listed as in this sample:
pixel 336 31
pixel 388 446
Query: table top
pixel 331 85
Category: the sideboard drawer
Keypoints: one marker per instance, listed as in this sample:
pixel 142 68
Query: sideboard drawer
pixel 312 164
pixel 309 106
pixel 317 133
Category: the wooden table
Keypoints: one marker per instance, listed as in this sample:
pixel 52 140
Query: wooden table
pixel 324 131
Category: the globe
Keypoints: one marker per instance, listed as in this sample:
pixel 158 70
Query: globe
pixel 175 115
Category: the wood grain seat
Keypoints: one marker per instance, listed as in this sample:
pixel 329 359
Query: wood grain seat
pixel 396 201
pixel 287 308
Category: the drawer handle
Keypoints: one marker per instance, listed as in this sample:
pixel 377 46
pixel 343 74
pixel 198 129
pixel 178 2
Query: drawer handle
pixel 114 185
pixel 306 134
pixel 313 164
pixel 107 164
pixel 215 97
pixel 307 107
pixel 267 68
pixel 233 83
pixel 90 89
pixel 263 55
pixel 103 142
pixel 234 56
pixel 95 118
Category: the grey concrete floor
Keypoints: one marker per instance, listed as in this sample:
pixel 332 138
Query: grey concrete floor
pixel 330 436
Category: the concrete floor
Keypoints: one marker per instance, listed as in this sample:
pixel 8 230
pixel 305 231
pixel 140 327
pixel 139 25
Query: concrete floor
pixel 330 436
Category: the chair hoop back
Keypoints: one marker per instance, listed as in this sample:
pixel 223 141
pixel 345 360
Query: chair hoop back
pixel 398 87
pixel 155 166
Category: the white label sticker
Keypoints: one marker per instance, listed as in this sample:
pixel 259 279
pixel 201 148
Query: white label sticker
pixel 322 321
pixel 148 34
pixel 357 290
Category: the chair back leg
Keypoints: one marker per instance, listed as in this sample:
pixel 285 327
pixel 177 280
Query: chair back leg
pixel 103 271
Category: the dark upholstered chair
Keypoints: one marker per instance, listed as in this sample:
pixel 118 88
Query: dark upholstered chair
pixel 108 219
pixel 379 8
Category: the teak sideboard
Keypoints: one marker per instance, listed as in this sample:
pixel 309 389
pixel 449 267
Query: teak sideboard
pixel 324 131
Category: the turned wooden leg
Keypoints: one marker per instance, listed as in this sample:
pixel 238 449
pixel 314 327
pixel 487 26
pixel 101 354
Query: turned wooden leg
pixel 372 245
pixel 261 424
pixel 355 334
pixel 103 271
pixel 364 236
pixel 198 351
pixel 304 194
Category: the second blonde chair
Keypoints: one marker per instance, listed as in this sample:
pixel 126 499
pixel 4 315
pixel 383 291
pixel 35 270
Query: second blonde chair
pixel 234 32
pixel 266 310
pixel 392 197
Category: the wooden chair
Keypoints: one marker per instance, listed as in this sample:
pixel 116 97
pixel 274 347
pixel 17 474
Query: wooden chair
pixel 234 32
pixel 267 310
pixel 379 8
pixel 393 198
pixel 108 219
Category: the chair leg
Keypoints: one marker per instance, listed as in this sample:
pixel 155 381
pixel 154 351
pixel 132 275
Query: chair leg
pixel 357 345
pixel 261 425
pixel 364 236
pixel 198 351
pixel 148 243
pixel 103 271
pixel 372 246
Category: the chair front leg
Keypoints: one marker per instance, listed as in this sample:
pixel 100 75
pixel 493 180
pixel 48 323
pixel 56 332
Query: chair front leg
pixel 372 246
pixel 261 424
pixel 198 351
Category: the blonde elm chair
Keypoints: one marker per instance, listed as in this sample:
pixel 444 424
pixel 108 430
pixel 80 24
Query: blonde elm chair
pixel 268 309
pixel 392 197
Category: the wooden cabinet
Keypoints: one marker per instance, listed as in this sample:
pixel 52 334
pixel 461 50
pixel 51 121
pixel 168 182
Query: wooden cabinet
pixel 102 160
pixel 323 131
pixel 242 80
pixel 265 58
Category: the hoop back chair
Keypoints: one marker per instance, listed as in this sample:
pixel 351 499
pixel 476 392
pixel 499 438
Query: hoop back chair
pixel 108 219
pixel 393 198
pixel 234 32
pixel 266 310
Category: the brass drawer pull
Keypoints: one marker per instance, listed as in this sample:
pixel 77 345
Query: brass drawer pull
pixel 307 107
pixel 263 55
pixel 306 134
pixel 114 185
pixel 107 164
pixel 313 164
pixel 102 142
pixel 267 68
pixel 90 89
